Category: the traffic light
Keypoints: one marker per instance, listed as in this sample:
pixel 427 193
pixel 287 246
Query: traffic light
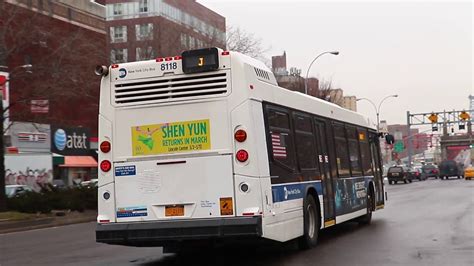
pixel 389 139
pixel 464 116
pixel 433 118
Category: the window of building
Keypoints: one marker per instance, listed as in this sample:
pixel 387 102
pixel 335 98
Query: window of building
pixel 144 31
pixel 143 6
pixel 118 34
pixel 145 54
pixel 118 55
pixel 184 41
pixel 191 44
pixel 183 18
pixel 118 9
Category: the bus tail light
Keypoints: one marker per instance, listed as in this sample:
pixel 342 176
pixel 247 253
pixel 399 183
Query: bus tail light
pixel 225 53
pixel 240 135
pixel 242 156
pixel 105 165
pixel 105 146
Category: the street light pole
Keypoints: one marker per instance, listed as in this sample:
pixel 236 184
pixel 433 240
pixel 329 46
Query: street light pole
pixel 377 109
pixel 310 65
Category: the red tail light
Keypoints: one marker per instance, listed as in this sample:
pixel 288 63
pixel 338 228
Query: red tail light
pixel 105 146
pixel 225 53
pixel 105 165
pixel 242 156
pixel 417 174
pixel 240 135
pixel 115 66
pixel 435 171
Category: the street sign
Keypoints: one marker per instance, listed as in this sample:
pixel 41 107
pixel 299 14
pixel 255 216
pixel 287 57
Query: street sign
pixel 398 147
pixel 433 118
pixel 464 116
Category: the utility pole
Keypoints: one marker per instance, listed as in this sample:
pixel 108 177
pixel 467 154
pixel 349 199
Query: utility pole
pixel 408 139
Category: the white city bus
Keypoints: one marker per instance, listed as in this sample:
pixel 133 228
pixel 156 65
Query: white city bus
pixel 206 146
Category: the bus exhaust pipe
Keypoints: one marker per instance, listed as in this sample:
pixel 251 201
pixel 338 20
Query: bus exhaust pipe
pixel 101 70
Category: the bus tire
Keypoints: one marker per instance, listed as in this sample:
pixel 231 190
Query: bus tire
pixel 367 218
pixel 311 223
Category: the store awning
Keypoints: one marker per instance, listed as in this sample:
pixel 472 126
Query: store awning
pixel 79 161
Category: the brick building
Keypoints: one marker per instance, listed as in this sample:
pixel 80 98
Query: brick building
pixel 146 29
pixel 292 80
pixel 62 41
pixel 420 142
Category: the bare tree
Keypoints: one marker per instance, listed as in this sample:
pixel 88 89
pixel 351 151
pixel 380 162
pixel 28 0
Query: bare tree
pixel 244 42
pixel 62 60
pixel 328 93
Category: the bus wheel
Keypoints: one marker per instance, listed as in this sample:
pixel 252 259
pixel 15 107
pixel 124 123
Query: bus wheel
pixel 311 224
pixel 367 218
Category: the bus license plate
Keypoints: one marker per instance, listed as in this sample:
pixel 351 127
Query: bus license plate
pixel 395 174
pixel 175 210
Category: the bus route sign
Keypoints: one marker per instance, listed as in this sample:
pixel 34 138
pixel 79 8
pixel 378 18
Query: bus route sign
pixel 185 136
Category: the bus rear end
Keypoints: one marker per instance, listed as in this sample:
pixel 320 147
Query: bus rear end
pixel 167 152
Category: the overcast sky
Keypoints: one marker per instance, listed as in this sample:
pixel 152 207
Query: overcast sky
pixel 420 50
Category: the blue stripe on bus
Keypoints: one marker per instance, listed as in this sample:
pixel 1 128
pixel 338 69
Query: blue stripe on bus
pixel 284 192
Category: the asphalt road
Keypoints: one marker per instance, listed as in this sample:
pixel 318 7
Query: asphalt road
pixel 424 223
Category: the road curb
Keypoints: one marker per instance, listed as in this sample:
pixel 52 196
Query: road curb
pixel 25 225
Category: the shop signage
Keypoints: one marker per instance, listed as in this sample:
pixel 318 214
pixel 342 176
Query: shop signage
pixel 70 141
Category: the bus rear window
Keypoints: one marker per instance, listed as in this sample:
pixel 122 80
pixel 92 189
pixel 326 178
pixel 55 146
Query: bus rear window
pixel 395 170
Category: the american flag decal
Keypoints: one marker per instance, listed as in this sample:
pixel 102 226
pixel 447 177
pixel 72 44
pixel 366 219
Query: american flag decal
pixel 279 149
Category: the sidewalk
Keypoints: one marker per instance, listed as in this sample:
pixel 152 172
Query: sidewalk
pixel 9 226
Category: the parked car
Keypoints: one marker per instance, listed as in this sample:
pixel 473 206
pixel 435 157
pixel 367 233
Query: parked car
pixel 398 173
pixel 90 183
pixel 416 173
pixel 449 168
pixel 16 190
pixel 59 184
pixel 430 170
pixel 469 172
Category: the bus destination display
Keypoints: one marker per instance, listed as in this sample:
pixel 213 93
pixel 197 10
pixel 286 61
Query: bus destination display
pixel 201 60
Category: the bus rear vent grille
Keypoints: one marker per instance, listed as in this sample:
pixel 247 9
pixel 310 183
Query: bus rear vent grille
pixel 174 88
pixel 262 73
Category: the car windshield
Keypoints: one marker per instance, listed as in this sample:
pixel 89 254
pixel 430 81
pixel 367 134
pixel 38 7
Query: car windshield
pixel 395 169
pixel 9 191
pixel 448 164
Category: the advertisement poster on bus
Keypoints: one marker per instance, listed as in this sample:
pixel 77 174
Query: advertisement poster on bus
pixel 185 136
pixel 350 195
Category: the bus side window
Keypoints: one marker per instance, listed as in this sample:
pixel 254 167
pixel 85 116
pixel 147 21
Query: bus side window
pixel 342 154
pixel 354 155
pixel 282 150
pixel 365 152
pixel 304 140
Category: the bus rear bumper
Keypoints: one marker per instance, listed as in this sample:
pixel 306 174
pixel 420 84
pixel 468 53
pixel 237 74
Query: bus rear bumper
pixel 159 233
